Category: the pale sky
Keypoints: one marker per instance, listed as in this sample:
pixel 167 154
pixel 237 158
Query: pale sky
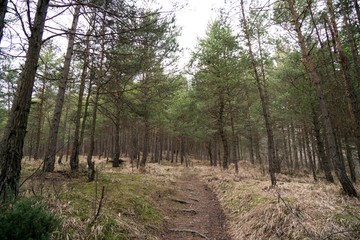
pixel 193 19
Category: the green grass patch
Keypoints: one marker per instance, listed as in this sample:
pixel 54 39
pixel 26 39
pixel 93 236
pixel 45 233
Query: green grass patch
pixel 128 209
pixel 245 203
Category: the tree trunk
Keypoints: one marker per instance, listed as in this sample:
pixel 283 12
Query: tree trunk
pixel 90 163
pixel 294 145
pixel 209 150
pixel 222 132
pixel 234 145
pixel 3 8
pixel 86 108
pixel 330 134
pixel 182 151
pixel 264 103
pixel 63 150
pixel 215 151
pixel 14 134
pixel 116 156
pixel 308 149
pixel 74 158
pixel 145 143
pixel 287 152
pixel 49 161
pixel 40 121
pixel 350 159
pixel 289 140
pixel 326 164
pixel 304 148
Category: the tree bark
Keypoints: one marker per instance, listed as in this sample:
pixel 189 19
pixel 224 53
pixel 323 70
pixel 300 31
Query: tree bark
pixel 308 149
pixel 40 121
pixel 74 158
pixel 90 163
pixel 222 132
pixel 330 134
pixel 3 9
pixel 116 157
pixel 264 103
pixel 290 158
pixel 294 145
pixel 350 159
pixel 49 161
pixel 11 149
pixel 234 144
pixel 145 143
pixel 326 164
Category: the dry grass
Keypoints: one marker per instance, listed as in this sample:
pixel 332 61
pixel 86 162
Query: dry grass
pixel 298 208
pixel 129 209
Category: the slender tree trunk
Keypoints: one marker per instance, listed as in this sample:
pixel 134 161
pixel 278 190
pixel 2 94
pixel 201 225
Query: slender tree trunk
pixel 330 134
pixel 90 163
pixel 11 147
pixel 301 158
pixel 168 144
pixel 285 146
pixel 86 108
pixel 264 103
pixel 135 144
pixel 182 151
pixel 116 156
pixel 350 159
pixel 63 150
pixel 289 140
pixel 222 132
pixel 326 164
pixel 294 144
pixel 215 152
pixel 172 150
pixel 3 8
pixel 234 144
pixel 145 143
pixel 49 161
pixel 311 159
pixel 156 147
pixel 74 158
pixel 40 121
pixel 304 148
pixel 209 150
pixel 250 128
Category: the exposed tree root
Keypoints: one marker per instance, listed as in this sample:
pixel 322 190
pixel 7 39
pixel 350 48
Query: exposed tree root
pixel 192 211
pixel 189 231
pixel 179 201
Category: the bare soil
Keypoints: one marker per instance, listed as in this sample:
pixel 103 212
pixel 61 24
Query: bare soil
pixel 193 211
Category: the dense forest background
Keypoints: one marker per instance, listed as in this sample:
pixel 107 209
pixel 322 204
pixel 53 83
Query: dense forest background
pixel 273 83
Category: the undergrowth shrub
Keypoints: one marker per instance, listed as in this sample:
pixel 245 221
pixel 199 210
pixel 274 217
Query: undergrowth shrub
pixel 27 219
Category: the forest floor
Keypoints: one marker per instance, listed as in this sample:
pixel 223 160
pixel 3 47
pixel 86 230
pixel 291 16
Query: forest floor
pixel 171 202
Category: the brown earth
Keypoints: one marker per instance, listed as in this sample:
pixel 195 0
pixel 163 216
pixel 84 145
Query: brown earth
pixel 193 211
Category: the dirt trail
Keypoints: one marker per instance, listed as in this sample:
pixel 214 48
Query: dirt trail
pixel 194 212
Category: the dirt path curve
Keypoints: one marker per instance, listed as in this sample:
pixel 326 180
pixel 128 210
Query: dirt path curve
pixel 194 212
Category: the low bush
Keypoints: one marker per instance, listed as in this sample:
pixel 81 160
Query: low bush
pixel 27 219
